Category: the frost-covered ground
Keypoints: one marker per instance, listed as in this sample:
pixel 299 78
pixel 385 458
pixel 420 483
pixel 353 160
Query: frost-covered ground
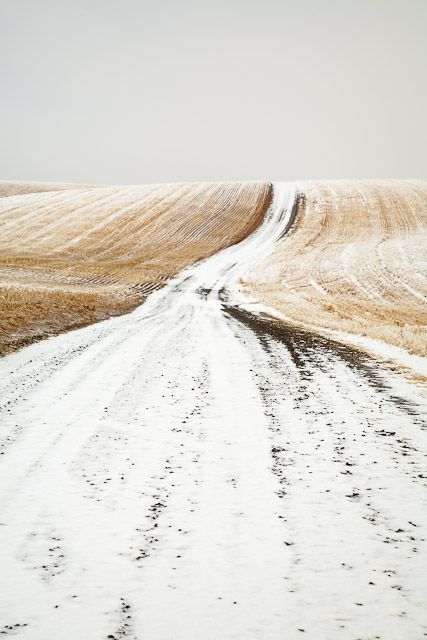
pixel 72 257
pixel 192 470
pixel 354 262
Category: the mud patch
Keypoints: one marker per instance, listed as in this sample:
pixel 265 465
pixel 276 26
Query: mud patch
pixel 308 349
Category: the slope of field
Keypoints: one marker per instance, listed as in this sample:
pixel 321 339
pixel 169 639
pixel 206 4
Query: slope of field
pixel 355 260
pixel 22 188
pixel 75 256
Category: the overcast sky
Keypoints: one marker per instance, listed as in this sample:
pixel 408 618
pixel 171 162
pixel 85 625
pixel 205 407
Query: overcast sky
pixel 137 91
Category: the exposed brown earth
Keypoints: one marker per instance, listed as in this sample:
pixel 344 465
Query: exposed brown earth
pixel 355 261
pixel 74 256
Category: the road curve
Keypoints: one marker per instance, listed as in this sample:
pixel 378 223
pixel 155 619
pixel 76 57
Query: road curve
pixel 192 470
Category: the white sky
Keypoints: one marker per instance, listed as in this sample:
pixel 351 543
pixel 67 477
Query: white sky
pixel 137 91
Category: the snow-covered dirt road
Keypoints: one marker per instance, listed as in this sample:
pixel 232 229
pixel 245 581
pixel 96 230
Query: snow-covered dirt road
pixel 194 471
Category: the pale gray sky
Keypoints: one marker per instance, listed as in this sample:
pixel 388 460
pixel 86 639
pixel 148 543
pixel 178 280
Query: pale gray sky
pixel 137 91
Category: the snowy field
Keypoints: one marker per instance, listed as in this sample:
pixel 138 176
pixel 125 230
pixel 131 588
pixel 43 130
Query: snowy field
pixel 355 261
pixel 71 257
pixel 196 470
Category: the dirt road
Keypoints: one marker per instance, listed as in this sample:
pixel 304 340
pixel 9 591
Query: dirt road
pixel 192 470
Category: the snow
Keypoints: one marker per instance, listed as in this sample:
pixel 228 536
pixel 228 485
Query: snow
pixel 317 286
pixel 174 473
